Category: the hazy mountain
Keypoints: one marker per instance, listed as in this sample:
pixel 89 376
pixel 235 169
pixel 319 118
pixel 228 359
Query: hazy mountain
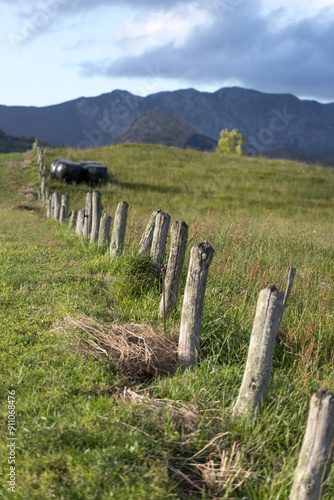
pixel 157 127
pixel 268 121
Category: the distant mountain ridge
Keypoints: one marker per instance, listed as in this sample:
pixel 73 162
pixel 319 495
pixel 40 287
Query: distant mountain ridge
pixel 268 121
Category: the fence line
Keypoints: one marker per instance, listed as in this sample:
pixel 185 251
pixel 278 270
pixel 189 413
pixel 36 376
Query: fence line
pixel 317 449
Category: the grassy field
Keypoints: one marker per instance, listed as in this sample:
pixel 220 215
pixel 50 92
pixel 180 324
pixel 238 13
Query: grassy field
pixel 85 429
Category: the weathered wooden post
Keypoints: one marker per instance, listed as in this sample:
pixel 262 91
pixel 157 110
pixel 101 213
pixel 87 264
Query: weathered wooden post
pixel 193 301
pixel 317 449
pixel 56 205
pixel 179 237
pixel 255 382
pixel 43 180
pixel 49 207
pixel 88 215
pixel 104 230
pixel 79 229
pixel 159 240
pixel 62 215
pixel 96 216
pixel 73 219
pixel 39 194
pixel 65 202
pixel 118 232
pixel 147 236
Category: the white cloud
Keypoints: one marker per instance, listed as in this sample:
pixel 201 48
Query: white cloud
pixel 161 28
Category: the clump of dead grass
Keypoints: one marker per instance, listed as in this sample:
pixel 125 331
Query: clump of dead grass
pixel 137 350
pixel 28 193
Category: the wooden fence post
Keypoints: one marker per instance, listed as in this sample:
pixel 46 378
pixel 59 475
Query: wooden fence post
pixel 159 240
pixel 48 207
pixel 255 382
pixel 43 180
pixel 79 229
pixel 147 236
pixel 88 215
pixel 96 216
pixel 118 232
pixel 104 230
pixel 192 310
pixel 65 202
pixel 73 219
pixel 56 205
pixel 317 449
pixel 179 237
pixel 62 215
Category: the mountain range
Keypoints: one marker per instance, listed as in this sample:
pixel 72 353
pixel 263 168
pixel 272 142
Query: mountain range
pixel 268 121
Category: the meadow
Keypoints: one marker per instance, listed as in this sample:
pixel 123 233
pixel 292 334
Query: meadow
pixel 85 430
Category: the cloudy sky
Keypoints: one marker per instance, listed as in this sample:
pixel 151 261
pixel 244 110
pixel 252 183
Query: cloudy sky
pixel 56 50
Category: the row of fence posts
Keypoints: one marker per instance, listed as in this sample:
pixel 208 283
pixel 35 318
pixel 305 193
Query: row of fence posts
pixel 89 222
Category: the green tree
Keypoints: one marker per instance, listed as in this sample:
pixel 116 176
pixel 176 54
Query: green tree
pixel 231 142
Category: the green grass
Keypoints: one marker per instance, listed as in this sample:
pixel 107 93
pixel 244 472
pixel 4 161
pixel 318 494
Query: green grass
pixel 76 437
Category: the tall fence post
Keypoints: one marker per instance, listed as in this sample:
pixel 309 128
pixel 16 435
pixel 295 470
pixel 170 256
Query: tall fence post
pixel 192 310
pixel 317 449
pixel 79 229
pixel 255 382
pixel 179 238
pixel 88 215
pixel 118 232
pixel 147 236
pixel 159 240
pixel 104 230
pixel 96 216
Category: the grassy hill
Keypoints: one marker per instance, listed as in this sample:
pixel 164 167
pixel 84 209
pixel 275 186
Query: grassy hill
pixel 12 144
pixel 80 434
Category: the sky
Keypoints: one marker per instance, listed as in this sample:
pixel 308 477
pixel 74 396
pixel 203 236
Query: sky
pixel 53 51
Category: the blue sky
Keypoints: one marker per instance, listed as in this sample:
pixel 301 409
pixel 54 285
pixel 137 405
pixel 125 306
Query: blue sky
pixel 52 51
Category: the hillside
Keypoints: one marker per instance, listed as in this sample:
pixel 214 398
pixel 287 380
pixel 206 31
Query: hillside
pixel 268 121
pixel 12 144
pixel 157 127
pixel 87 428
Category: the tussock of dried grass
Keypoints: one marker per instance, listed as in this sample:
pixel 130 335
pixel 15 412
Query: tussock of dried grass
pixel 28 193
pixel 181 414
pixel 137 350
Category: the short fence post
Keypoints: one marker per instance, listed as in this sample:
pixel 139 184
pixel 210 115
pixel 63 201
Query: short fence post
pixel 62 215
pixel 118 232
pixel 179 237
pixel 147 236
pixel 79 229
pixel 96 216
pixel 159 241
pixel 317 449
pixel 88 215
pixel 192 310
pixel 73 219
pixel 39 194
pixel 255 382
pixel 104 230
pixel 65 202
pixel 48 207
pixel 56 205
